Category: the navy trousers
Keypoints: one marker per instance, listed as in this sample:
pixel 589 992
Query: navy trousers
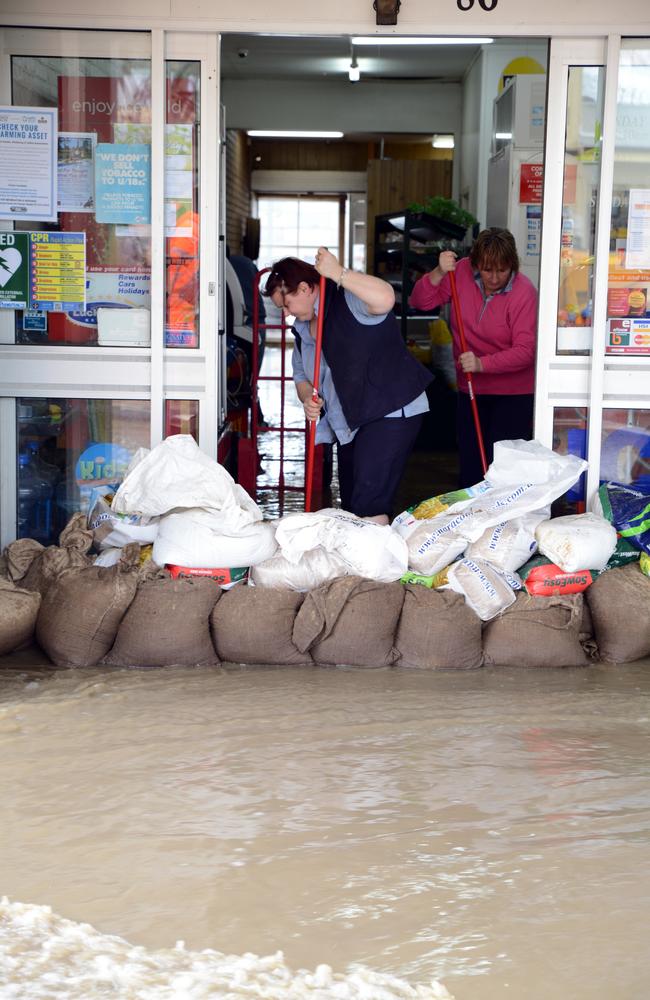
pixel 502 418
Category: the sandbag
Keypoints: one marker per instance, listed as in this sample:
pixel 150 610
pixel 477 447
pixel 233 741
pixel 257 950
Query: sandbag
pixel 20 555
pixel 577 541
pixel 196 538
pixel 619 601
pixel 487 590
pixel 82 610
pixel 437 629
pixel 176 474
pixel 315 567
pixel 350 621
pixel 18 611
pixel 537 632
pixel 368 549
pixel 254 625
pixel 71 553
pixel 509 544
pixel 167 624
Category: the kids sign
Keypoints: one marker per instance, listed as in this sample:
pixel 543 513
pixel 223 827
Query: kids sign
pixel 101 464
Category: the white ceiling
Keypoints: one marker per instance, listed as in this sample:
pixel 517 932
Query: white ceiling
pixel 246 57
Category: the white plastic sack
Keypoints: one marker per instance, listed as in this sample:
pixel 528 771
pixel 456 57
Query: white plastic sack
pixel 177 474
pixel 109 557
pixel 577 541
pixel 196 538
pixel 432 543
pixel 522 461
pixel 315 567
pixel 367 549
pixel 509 544
pixel 486 589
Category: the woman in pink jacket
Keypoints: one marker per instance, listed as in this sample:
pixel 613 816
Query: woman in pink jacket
pixel 499 307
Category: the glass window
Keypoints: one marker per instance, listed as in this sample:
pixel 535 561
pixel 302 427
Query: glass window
pixel 182 417
pixel 579 206
pixel 66 448
pixel 296 227
pixel 182 217
pixel 628 297
pixel 570 438
pixel 104 192
pixel 625 447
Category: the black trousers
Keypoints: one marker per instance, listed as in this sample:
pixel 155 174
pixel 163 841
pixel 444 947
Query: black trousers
pixel 501 417
pixel 371 466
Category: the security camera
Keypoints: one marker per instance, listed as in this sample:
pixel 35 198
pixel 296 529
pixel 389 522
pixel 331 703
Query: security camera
pixel 242 53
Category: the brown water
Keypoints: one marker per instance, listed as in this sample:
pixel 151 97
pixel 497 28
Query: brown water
pixel 487 829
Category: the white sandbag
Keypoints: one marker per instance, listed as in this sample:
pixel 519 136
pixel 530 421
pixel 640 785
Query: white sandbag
pixel 486 589
pixel 195 538
pixel 522 461
pixel 176 474
pixel 432 543
pixel 577 541
pixel 367 549
pixel 315 567
pixel 509 544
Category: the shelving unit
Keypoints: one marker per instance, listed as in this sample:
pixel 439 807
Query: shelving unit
pixel 406 245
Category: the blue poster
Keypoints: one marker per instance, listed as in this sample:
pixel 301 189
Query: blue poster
pixel 122 183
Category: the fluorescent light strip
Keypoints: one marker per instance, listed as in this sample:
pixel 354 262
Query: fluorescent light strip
pixel 291 134
pixel 423 40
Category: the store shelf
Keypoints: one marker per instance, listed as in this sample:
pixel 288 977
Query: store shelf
pixel 406 246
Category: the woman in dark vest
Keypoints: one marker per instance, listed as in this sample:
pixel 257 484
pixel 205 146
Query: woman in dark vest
pixel 371 393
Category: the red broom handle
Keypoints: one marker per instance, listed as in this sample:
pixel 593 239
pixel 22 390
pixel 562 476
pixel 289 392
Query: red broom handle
pixel 311 442
pixel 468 375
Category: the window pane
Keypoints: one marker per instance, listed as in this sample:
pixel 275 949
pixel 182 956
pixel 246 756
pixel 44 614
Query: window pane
pixel 625 449
pixel 570 438
pixel 628 299
pixel 182 158
pixel 296 227
pixel 579 205
pixel 182 417
pixel 66 448
pixel 104 114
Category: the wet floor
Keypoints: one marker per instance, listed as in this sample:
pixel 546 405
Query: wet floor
pixel 489 829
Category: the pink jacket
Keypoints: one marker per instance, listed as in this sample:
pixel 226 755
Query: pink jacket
pixel 501 331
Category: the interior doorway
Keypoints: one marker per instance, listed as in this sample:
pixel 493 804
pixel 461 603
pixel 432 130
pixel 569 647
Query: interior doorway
pixel 418 128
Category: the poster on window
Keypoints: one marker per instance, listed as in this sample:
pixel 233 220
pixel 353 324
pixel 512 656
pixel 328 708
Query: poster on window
pixel 28 157
pixel 637 252
pixel 76 171
pixel 123 183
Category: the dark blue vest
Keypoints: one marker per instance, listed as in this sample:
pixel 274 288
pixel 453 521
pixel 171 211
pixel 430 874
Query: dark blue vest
pixel 373 372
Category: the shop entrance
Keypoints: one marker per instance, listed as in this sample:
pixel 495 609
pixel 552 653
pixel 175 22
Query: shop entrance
pixel 417 155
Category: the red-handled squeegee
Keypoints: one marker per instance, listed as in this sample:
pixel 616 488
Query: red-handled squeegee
pixel 468 375
pixel 311 441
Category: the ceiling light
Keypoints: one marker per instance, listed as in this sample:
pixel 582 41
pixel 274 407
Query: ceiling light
pixel 503 135
pixel 258 133
pixel 419 40
pixel 443 142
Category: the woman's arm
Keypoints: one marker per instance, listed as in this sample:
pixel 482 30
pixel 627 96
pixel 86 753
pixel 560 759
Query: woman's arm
pixel 375 293
pixel 429 290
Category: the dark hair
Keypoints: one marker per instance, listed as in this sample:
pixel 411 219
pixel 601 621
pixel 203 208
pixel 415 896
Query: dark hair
pixel 494 247
pixel 286 274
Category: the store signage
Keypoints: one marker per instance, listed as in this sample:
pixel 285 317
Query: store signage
pixel 101 464
pixel 28 157
pixel 628 336
pixel 14 270
pixel 123 183
pixel 531 178
pixel 57 271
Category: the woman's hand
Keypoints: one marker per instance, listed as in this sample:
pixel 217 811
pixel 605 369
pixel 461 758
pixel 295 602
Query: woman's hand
pixel 312 408
pixel 327 264
pixel 447 261
pixel 468 362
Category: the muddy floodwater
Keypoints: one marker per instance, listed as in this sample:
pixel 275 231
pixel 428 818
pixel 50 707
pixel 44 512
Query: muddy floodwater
pixel 489 830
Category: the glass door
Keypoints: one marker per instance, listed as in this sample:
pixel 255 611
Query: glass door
pixel 108 344
pixel 592 395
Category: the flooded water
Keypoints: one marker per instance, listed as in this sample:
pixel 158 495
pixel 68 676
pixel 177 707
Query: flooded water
pixel 489 830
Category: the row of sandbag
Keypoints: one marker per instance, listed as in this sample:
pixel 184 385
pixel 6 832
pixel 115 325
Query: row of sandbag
pixel 133 616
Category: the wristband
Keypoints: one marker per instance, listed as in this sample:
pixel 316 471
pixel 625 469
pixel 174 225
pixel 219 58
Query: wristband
pixel 344 271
